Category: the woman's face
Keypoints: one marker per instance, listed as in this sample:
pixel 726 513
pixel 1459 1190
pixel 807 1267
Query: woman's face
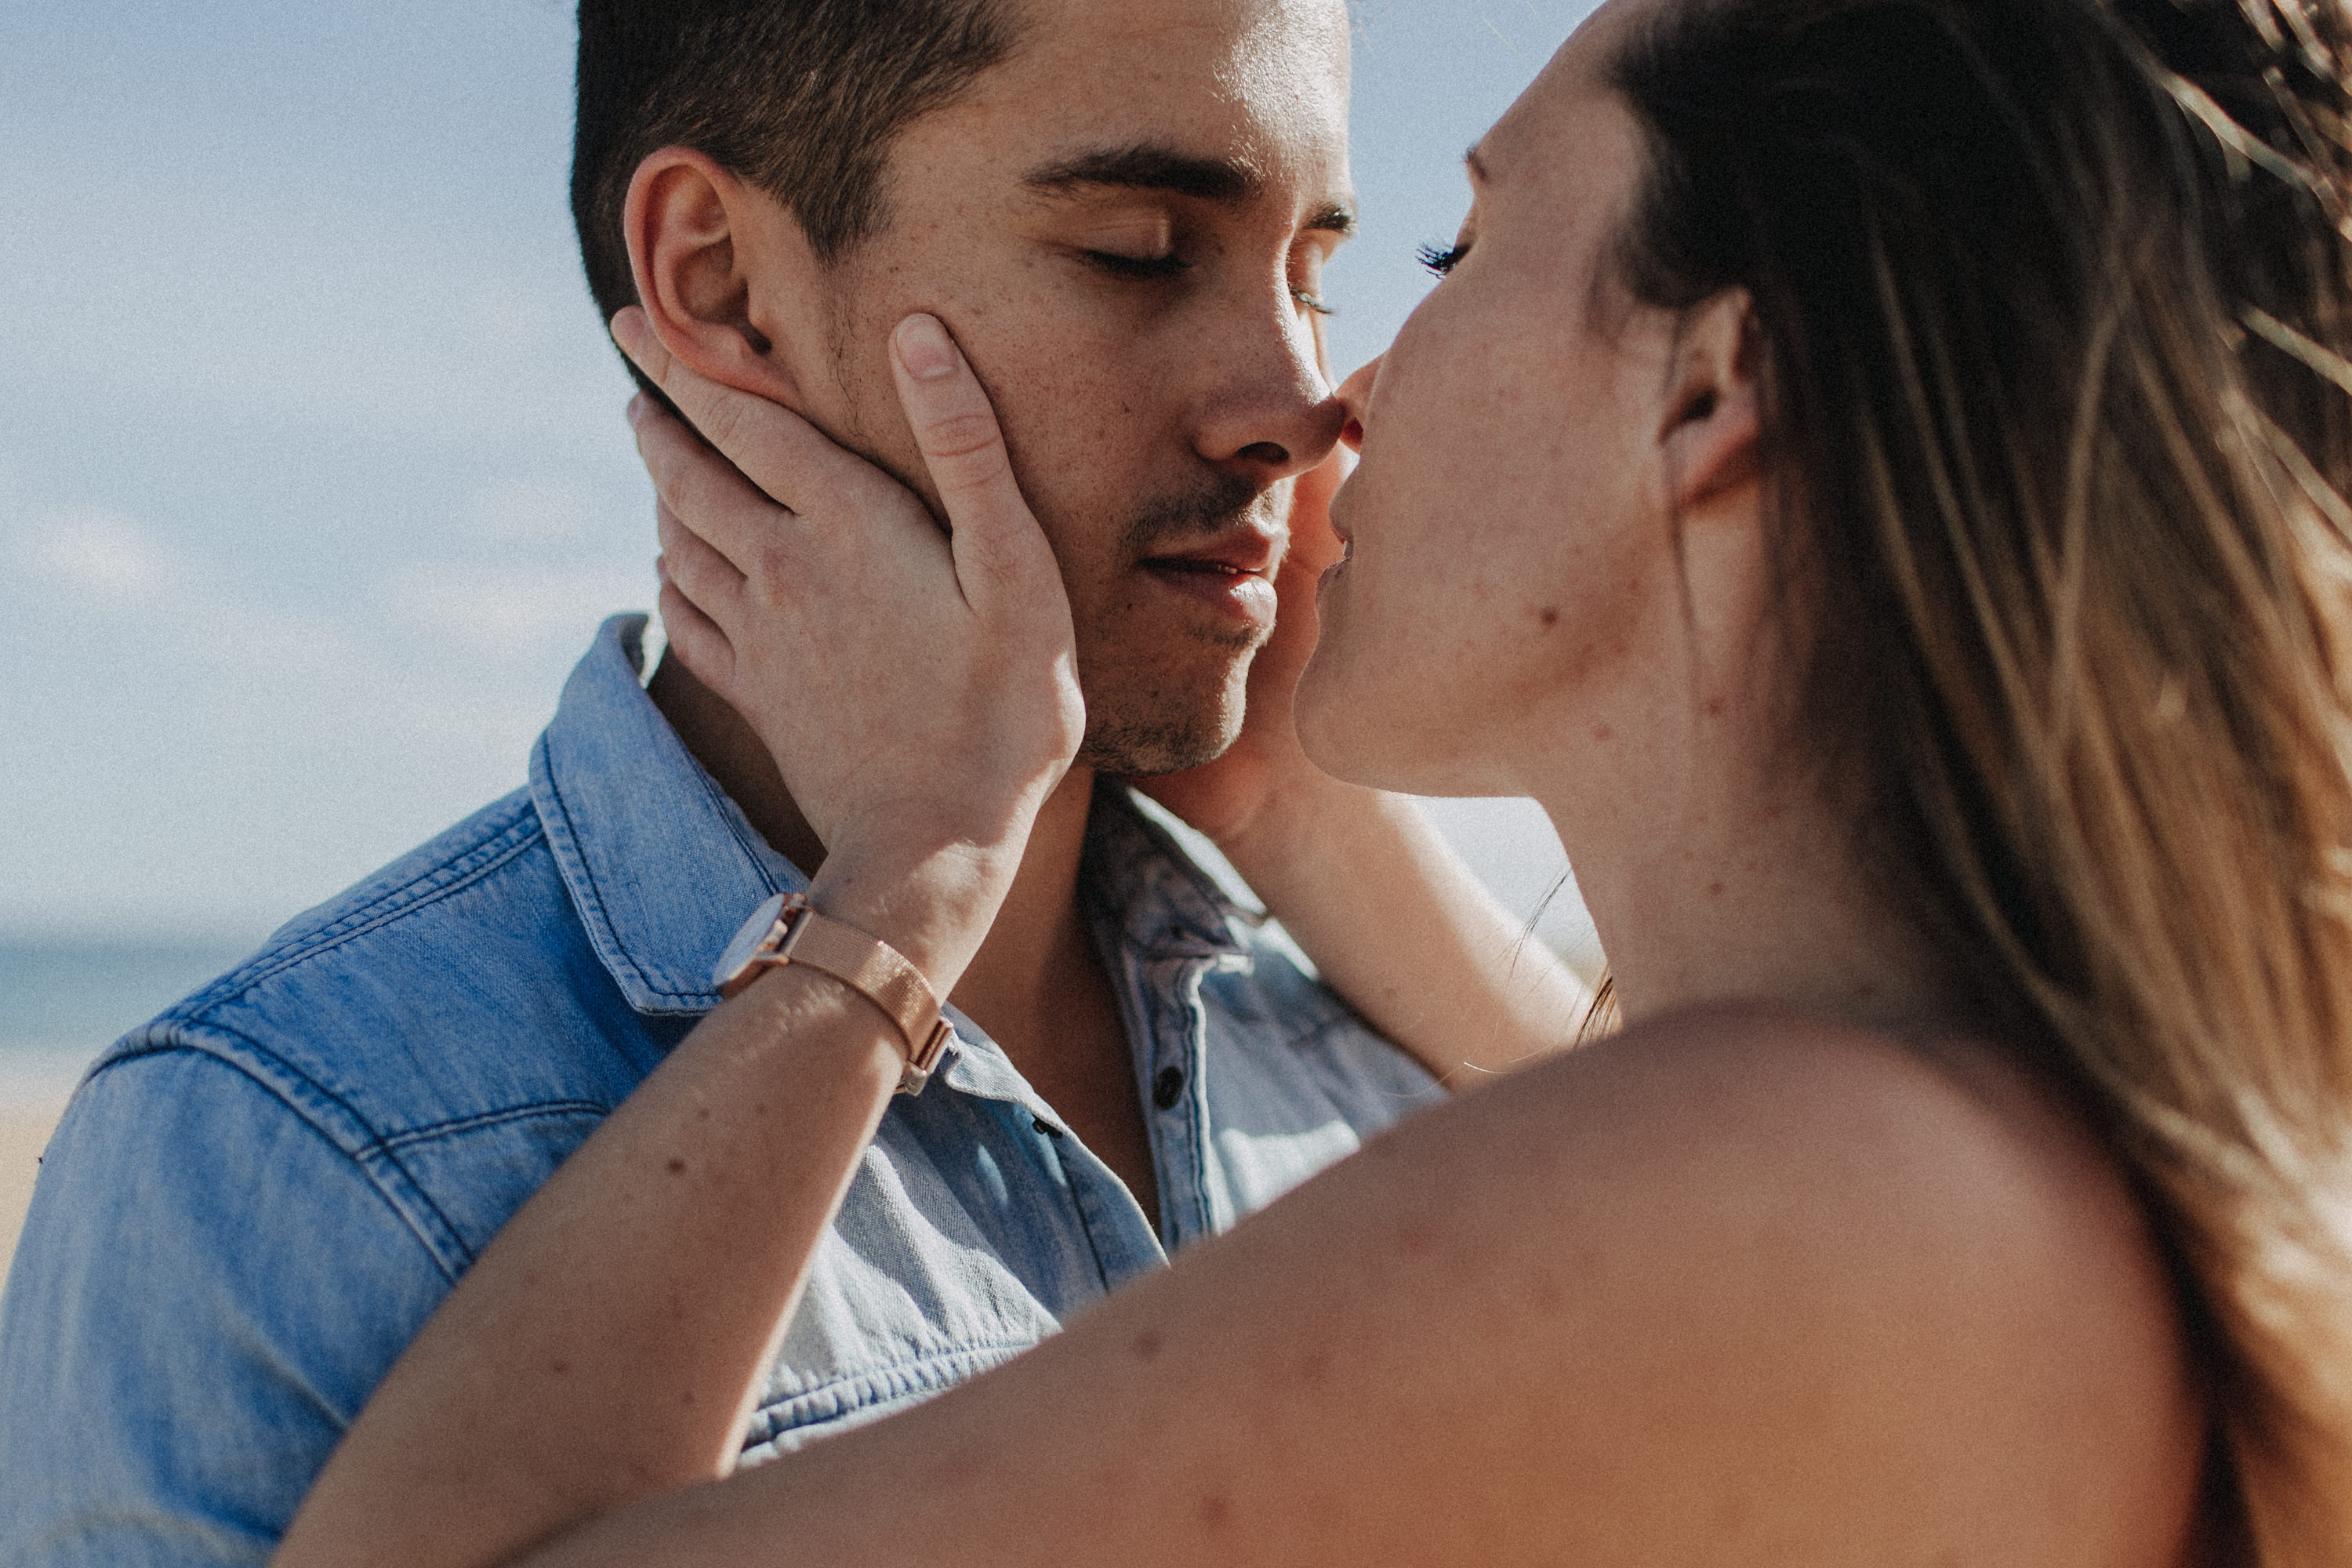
pixel 1502 591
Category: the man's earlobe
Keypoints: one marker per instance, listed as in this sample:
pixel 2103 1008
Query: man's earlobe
pixel 695 241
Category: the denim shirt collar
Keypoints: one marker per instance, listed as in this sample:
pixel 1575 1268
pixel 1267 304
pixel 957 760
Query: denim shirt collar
pixel 663 866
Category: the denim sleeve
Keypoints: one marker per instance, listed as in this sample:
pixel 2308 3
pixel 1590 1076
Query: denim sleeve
pixel 204 1294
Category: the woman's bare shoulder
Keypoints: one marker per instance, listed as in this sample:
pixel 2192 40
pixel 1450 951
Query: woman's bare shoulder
pixel 1927 1129
pixel 1902 1245
pixel 1740 1285
pixel 1891 1136
pixel 1927 1163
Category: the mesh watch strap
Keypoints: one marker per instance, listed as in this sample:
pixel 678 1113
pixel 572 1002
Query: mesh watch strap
pixel 796 934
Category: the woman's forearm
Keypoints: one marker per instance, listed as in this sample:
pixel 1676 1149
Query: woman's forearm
pixel 605 1346
pixel 1399 927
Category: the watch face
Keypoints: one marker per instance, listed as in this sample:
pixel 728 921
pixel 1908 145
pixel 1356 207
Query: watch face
pixel 747 941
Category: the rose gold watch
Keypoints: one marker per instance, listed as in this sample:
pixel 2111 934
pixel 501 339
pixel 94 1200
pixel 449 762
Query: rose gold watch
pixel 787 930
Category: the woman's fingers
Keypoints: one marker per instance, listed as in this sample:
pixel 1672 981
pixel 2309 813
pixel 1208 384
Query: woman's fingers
pixel 700 572
pixel 699 642
pixel 780 452
pixel 996 539
pixel 729 511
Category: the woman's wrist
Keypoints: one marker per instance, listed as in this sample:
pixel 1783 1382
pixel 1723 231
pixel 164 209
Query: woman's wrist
pixel 934 907
pixel 1307 817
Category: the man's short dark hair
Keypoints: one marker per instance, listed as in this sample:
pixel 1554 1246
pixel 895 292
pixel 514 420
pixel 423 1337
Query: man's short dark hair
pixel 801 97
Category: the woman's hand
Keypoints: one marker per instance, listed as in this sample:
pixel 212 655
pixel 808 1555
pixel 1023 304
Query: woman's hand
pixel 918 688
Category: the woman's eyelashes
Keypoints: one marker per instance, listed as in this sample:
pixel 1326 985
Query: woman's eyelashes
pixel 1440 260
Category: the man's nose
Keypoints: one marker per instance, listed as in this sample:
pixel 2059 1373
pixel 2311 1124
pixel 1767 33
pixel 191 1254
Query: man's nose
pixel 1270 414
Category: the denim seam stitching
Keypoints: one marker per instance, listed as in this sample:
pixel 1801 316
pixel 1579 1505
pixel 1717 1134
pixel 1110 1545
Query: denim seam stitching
pixel 572 830
pixel 459 1125
pixel 928 1374
pixel 1078 1205
pixel 397 904
pixel 717 798
pixel 908 1366
pixel 375 1183
pixel 571 848
pixel 596 892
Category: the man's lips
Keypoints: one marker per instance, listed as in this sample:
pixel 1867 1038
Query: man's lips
pixel 1234 573
pixel 1250 552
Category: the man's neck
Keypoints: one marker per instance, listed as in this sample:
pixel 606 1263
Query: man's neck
pixel 1036 952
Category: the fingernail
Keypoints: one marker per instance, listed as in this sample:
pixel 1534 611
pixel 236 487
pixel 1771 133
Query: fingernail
pixel 627 326
pixel 925 348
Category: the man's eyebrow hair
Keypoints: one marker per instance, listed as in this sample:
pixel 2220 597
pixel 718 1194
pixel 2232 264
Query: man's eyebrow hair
pixel 1149 166
pixel 1477 167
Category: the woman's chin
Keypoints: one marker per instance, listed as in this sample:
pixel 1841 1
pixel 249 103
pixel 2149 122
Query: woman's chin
pixel 1330 729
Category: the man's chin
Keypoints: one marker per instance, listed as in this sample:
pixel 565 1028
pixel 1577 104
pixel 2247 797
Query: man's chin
pixel 1151 747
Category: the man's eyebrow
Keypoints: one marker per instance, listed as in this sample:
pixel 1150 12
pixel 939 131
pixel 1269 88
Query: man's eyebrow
pixel 1149 166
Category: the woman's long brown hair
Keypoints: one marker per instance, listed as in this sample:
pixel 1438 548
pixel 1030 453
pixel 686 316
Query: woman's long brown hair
pixel 2051 296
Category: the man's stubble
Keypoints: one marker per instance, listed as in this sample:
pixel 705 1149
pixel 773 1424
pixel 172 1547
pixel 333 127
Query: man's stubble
pixel 1164 729
pixel 1136 733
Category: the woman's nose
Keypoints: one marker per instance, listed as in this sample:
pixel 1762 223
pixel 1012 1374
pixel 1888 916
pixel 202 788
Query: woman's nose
pixel 1355 395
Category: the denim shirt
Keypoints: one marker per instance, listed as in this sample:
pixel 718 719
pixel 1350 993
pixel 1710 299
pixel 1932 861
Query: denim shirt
pixel 255 1202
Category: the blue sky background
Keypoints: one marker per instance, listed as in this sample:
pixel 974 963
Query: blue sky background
pixel 313 478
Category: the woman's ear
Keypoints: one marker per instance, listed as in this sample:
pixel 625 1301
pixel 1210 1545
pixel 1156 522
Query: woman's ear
pixel 1712 420
pixel 704 247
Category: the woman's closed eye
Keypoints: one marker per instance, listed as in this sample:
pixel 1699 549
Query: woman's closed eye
pixel 1442 259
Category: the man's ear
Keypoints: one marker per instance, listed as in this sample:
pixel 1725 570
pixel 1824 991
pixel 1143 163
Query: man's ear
pixel 1711 432
pixel 711 254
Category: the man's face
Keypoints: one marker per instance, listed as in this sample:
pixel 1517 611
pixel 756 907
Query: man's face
pixel 1125 226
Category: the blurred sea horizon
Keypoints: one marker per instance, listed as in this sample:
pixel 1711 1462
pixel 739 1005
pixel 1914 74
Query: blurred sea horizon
pixel 66 996
pixel 66 993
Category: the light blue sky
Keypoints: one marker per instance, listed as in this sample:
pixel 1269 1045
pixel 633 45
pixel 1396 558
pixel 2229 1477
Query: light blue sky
pixel 313 479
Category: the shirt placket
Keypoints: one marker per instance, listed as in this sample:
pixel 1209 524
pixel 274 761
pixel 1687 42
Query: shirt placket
pixel 1113 1226
pixel 1122 1239
pixel 1171 1060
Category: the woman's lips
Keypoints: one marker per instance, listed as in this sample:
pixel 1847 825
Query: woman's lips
pixel 1332 572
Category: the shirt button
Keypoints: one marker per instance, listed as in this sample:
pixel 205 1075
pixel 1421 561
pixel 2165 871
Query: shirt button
pixel 1168 1087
